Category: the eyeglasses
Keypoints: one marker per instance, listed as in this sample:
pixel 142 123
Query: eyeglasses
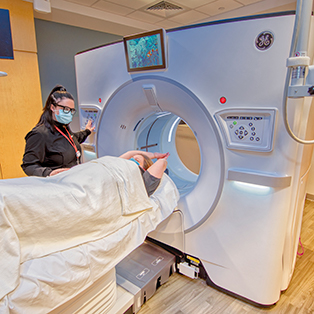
pixel 67 109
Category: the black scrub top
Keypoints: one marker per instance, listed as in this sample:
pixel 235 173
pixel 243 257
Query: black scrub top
pixel 47 150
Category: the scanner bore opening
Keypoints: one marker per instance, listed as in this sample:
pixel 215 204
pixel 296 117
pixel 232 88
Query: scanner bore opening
pixel 167 132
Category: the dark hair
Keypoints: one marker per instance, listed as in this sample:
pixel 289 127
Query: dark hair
pixel 58 93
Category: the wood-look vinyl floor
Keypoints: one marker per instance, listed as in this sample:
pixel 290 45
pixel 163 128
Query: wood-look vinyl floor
pixel 182 295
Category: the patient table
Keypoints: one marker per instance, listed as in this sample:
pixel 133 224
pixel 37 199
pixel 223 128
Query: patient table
pixel 62 236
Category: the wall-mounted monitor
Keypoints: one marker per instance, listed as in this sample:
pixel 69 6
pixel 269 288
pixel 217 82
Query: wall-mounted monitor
pixel 146 51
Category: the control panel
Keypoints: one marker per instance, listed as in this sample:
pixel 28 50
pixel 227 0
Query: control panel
pixel 89 112
pixel 247 129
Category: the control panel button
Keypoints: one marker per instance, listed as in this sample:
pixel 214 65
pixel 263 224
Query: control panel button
pixel 247 129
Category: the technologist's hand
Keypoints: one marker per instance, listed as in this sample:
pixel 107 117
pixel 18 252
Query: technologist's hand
pixel 56 171
pixel 89 125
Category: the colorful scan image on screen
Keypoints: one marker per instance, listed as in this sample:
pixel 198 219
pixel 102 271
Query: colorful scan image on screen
pixel 145 52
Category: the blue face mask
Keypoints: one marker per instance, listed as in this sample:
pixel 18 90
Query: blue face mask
pixel 64 118
pixel 135 161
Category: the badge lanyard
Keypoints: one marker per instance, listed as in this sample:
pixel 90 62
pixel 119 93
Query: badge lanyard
pixel 70 140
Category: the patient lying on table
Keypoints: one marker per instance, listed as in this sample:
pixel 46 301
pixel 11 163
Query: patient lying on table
pixel 102 201
pixel 151 172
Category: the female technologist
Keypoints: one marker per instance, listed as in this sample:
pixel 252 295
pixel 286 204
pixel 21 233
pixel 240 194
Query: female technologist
pixel 51 146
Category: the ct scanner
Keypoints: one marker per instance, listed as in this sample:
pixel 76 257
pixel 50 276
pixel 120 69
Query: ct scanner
pixel 240 217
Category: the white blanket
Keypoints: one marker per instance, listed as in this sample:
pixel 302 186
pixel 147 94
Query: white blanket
pixel 41 216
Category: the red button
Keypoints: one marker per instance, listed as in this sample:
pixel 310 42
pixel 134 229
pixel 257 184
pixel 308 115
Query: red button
pixel 223 100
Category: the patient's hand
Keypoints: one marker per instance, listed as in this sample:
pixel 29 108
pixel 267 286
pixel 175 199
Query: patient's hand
pixel 56 171
pixel 161 155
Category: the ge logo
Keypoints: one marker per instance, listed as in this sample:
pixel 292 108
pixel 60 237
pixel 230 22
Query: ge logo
pixel 264 40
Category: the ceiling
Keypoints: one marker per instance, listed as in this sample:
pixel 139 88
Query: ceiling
pixel 125 17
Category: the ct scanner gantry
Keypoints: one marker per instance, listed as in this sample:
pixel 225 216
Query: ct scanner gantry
pixel 240 217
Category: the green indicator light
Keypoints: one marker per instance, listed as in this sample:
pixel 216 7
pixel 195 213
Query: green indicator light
pixel 234 122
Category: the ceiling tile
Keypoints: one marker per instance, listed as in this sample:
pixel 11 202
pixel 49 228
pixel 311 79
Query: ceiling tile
pixel 167 24
pixel 112 8
pixel 247 2
pixel 192 3
pixel 134 4
pixel 86 3
pixel 219 6
pixel 145 17
pixel 189 17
